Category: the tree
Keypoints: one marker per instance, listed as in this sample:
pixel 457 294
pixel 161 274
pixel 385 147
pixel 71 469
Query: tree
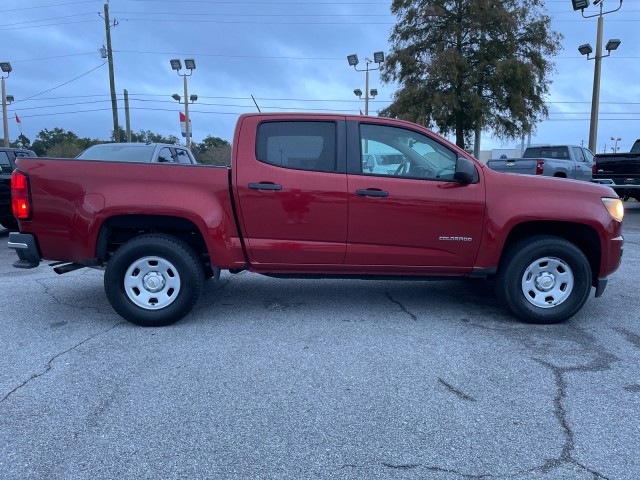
pixel 64 150
pixel 21 142
pixel 463 65
pixel 48 138
pixel 213 151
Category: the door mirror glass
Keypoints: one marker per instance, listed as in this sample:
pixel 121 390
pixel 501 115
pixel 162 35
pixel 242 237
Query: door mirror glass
pixel 465 171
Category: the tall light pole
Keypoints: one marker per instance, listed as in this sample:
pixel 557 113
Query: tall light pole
pixel 615 144
pixel 6 68
pixel 378 57
pixel 189 64
pixel 586 49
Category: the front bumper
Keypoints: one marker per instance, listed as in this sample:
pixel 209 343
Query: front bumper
pixel 25 246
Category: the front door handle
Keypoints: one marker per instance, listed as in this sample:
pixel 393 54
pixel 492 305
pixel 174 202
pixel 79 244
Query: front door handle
pixel 265 186
pixel 372 192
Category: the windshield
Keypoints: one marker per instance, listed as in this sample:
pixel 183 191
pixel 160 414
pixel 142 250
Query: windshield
pixel 120 153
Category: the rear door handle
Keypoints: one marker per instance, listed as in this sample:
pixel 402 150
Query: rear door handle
pixel 372 192
pixel 265 186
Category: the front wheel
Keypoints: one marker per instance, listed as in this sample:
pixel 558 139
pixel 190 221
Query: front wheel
pixel 544 279
pixel 154 280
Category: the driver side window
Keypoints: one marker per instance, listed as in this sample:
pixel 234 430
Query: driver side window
pixel 404 153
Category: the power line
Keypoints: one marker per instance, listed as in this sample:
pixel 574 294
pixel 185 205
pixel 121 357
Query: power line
pixel 53 18
pixel 48 6
pixel 62 84
pixel 49 25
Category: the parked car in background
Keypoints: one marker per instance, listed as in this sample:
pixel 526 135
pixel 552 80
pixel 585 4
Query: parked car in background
pixel 7 164
pixel 384 164
pixel 138 152
pixel 620 171
pixel 565 161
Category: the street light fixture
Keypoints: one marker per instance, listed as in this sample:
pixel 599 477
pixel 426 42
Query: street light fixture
pixel 580 4
pixel 378 57
pixel 190 64
pixel 586 49
pixel 6 68
pixel 615 145
pixel 612 45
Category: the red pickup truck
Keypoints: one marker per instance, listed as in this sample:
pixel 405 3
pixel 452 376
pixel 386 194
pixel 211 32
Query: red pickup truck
pixel 301 200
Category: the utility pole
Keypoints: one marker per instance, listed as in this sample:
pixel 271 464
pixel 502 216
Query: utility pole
pixel 126 115
pixel 586 49
pixel 112 82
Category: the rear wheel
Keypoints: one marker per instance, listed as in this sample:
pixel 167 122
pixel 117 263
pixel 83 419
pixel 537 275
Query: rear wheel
pixel 544 279
pixel 154 280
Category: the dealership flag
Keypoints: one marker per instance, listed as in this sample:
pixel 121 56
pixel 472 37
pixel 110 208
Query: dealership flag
pixel 19 122
pixel 183 126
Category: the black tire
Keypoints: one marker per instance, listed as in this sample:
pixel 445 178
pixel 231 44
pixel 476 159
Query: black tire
pixel 166 293
pixel 9 224
pixel 544 279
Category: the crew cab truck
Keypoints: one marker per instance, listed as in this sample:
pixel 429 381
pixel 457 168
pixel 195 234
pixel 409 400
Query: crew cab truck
pixel 565 161
pixel 620 171
pixel 299 201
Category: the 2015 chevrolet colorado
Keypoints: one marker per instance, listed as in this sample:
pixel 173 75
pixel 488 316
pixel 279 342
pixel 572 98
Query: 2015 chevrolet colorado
pixel 301 200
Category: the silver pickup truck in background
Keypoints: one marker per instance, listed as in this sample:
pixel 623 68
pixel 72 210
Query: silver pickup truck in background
pixel 566 161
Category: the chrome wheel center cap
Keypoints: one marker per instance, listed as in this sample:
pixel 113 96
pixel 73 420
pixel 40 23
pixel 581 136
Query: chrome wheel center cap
pixel 545 281
pixel 153 282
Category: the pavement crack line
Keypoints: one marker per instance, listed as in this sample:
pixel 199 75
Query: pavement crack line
pixel 561 414
pixel 601 361
pixel 461 395
pixel 49 365
pixel 48 292
pixel 402 307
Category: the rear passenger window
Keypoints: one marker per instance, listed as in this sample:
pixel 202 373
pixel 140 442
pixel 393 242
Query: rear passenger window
pixel 183 156
pixel 299 145
pixel 165 155
pixel 5 165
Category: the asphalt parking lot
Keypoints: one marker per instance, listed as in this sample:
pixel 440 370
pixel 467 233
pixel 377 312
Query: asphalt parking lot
pixel 290 379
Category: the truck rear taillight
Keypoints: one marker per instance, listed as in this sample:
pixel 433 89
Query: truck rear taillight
pixel 539 165
pixel 594 168
pixel 20 202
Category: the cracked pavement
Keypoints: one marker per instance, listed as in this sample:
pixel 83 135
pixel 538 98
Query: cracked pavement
pixel 289 379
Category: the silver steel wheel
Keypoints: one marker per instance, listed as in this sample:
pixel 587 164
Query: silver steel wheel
pixel 152 283
pixel 547 282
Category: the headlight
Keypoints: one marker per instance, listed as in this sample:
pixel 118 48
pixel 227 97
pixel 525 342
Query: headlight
pixel 615 207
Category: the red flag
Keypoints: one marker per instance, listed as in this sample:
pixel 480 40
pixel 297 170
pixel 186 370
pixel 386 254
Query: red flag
pixel 18 119
pixel 361 112
pixel 183 126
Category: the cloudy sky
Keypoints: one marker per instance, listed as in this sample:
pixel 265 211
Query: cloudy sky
pixel 289 55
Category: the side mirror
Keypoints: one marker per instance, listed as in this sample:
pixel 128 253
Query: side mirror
pixel 466 172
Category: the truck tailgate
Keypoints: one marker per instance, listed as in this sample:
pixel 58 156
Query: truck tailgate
pixel 525 166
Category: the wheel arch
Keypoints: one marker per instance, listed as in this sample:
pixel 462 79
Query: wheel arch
pixel 115 231
pixel 583 236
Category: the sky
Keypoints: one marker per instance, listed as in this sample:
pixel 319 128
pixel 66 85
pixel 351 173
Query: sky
pixel 289 55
